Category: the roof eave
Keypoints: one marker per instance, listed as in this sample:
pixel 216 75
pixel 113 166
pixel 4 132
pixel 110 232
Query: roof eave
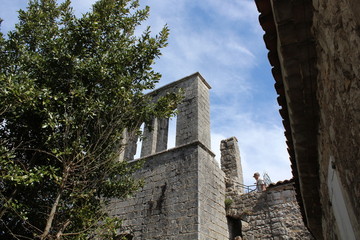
pixel 287 26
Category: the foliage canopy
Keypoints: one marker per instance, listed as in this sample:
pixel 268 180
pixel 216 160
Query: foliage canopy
pixel 69 87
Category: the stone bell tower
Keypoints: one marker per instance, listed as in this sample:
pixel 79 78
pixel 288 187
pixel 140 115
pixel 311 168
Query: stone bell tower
pixel 184 191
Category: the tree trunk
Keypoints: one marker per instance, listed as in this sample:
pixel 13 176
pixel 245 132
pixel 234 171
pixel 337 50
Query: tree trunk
pixel 55 205
pixel 51 217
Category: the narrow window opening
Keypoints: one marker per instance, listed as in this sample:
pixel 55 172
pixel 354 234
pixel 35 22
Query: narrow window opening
pixel 139 142
pixel 172 132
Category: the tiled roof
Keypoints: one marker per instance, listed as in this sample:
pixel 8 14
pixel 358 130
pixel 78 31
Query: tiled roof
pixel 294 71
pixel 266 20
pixel 280 183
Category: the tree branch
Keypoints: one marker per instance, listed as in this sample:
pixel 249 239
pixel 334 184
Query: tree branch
pixel 55 205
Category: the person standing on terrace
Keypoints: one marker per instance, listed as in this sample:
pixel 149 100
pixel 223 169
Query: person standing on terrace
pixel 260 184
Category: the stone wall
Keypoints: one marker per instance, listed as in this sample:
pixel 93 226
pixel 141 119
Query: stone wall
pixel 182 198
pixel 212 215
pixel 185 191
pixel 273 214
pixel 336 28
pixel 184 188
pixel 158 211
pixel 231 165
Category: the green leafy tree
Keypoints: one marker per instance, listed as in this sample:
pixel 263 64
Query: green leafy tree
pixel 69 87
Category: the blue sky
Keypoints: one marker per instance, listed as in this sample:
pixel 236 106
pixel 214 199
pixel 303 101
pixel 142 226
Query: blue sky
pixel 221 39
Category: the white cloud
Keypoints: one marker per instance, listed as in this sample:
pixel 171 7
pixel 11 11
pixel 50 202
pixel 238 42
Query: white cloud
pixel 262 144
pixel 214 46
pixel 243 11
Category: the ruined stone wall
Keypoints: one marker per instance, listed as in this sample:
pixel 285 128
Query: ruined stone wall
pixel 184 188
pixel 231 165
pixel 337 32
pixel 273 214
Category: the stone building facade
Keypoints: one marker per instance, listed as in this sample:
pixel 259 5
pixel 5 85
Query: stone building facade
pixel 314 50
pixel 185 191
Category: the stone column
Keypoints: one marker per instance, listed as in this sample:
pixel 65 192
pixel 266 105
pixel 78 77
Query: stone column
pixel 231 163
pixel 149 138
pixel 129 144
pixel 162 134
pixel 155 137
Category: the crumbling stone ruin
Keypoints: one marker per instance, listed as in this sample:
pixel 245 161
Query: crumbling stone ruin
pixel 231 165
pixel 186 195
pixel 273 214
pixel 184 192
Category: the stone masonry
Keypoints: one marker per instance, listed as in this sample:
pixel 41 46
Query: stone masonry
pixel 231 165
pixel 186 196
pixel 184 191
pixel 336 27
pixel 273 214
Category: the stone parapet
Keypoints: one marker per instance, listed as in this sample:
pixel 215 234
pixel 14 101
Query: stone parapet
pixel 273 214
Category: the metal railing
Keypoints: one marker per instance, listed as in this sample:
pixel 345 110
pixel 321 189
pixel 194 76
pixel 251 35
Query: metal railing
pixel 246 188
